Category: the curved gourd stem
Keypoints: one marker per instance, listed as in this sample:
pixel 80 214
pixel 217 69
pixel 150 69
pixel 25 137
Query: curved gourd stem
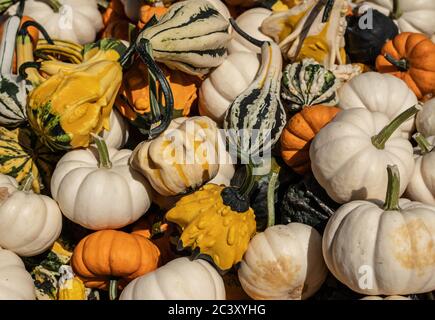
pixel 327 12
pixel 255 42
pixel 248 183
pixel 29 23
pixel 393 189
pixel 103 152
pixel 271 198
pixel 396 13
pixel 20 9
pixel 26 185
pixel 401 64
pixel 422 142
pixel 113 289
pixel 382 137
pixel 26 65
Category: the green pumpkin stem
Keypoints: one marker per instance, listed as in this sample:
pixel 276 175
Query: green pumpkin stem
pixel 26 184
pixel 103 152
pixel 152 82
pixel 396 13
pixel 382 137
pixel 422 142
pixel 401 64
pixel 393 189
pixel 113 289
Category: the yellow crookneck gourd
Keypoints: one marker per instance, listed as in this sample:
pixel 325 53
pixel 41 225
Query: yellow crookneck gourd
pixel 70 286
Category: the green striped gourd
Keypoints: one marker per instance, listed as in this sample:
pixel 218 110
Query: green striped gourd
pixel 308 83
pixel 21 153
pixel 192 37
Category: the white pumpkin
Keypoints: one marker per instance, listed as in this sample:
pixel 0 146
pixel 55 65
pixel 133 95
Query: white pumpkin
pixel 387 249
pixel 249 21
pixel 349 163
pixel 386 298
pixel 117 136
pixel 412 15
pixel 179 279
pixel 98 189
pixel 284 262
pixel 225 83
pixel 425 121
pixel 29 223
pixel 379 93
pixel 15 282
pixel 73 20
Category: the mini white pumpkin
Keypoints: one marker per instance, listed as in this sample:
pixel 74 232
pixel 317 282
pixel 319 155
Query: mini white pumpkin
pixel 179 279
pixel 96 188
pixel 29 223
pixel 225 83
pixel 388 249
pixel 350 154
pixel 15 282
pixel 379 93
pixel 284 262
pixel 425 120
pixel 117 136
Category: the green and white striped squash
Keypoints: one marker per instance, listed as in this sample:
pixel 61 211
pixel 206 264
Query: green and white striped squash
pixel 21 153
pixel 308 83
pixel 192 37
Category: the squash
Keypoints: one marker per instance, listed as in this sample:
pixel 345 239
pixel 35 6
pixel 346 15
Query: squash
pixel 379 93
pixel 214 225
pixel 364 44
pixel 283 263
pixel 308 83
pixel 312 29
pixel 386 298
pixel 180 279
pixel 29 223
pixel 15 282
pixel 349 155
pixel 221 7
pixel 103 257
pixel 382 250
pixel 22 154
pixel 117 136
pixel 250 22
pixel 298 133
pixel 425 120
pixel 73 20
pixel 70 286
pixel 183 158
pixel 225 83
pixel 410 57
pixel 96 188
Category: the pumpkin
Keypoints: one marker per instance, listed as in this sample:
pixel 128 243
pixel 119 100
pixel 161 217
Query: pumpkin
pixel 29 223
pixel 105 255
pixel 116 23
pixel 410 57
pixel 96 188
pixel 386 298
pixel 298 133
pixel 179 279
pixel 364 44
pixel 183 158
pixel 425 120
pixel 73 20
pixel 382 250
pixel 250 22
pixel 147 12
pixel 225 83
pixel 379 93
pixel 349 155
pixel 308 83
pixel 283 263
pixel 213 225
pixel 312 29
pixel 117 136
pixel 22 154
pixel 15 282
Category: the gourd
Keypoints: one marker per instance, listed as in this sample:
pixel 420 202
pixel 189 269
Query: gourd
pixel 379 93
pixel 410 56
pixel 395 244
pixel 109 259
pixel 425 120
pixel 221 7
pixel 308 83
pixel 15 282
pixel 283 263
pixel 70 286
pixel 117 136
pixel 96 188
pixel 225 83
pixel 183 158
pixel 179 279
pixel 29 223
pixel 22 154
pixel 298 133
pixel 349 155
pixel 73 20
pixel 312 29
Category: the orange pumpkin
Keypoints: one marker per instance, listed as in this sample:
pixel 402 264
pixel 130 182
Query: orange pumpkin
pixel 298 133
pixel 410 57
pixel 115 257
pixel 147 12
pixel 116 22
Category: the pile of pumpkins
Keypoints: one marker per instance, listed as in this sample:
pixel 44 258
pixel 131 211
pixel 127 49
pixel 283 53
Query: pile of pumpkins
pixel 93 205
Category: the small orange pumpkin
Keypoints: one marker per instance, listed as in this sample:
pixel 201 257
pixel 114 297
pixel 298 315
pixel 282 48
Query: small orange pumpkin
pixel 147 12
pixel 106 256
pixel 116 22
pixel 298 133
pixel 410 57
